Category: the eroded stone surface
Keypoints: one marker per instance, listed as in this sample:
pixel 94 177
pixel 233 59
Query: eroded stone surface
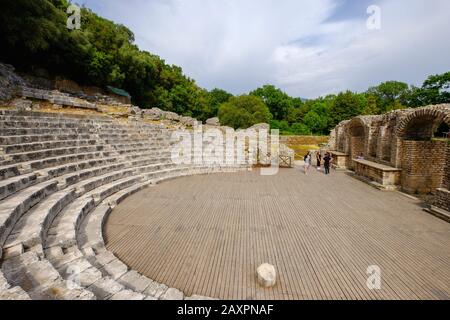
pixel 172 294
pixel 267 275
pixel 15 293
pixel 135 281
pixel 213 122
pixel 127 295
pixel 156 289
pixel 105 287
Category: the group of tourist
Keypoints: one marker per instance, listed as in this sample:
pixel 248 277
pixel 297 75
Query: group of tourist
pixel 327 160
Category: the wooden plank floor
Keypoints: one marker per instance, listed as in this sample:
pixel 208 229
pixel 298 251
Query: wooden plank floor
pixel 207 235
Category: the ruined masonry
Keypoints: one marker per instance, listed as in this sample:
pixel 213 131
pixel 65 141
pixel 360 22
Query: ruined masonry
pixel 398 150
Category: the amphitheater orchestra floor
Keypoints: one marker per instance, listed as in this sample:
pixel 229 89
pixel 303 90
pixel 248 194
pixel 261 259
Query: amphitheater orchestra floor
pixel 207 235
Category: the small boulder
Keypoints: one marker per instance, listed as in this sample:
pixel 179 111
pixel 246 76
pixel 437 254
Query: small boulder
pixel 188 121
pixel 153 113
pixel 213 122
pixel 172 116
pixel 136 111
pixel 267 275
pixel 22 104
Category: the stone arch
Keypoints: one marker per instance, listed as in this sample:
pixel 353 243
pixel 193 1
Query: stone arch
pixel 424 159
pixel 357 131
pixel 423 122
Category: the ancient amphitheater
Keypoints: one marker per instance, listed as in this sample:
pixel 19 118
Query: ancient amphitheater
pixel 66 168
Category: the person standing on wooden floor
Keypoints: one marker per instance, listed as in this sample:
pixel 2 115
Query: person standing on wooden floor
pixel 327 162
pixel 307 160
pixel 318 160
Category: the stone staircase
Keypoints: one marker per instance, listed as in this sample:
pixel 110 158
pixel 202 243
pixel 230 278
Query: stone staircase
pixel 60 177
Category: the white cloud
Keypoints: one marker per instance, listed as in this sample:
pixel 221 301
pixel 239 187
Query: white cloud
pixel 411 44
pixel 239 45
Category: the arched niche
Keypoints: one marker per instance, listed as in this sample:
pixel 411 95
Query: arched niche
pixel 357 133
pixel 424 149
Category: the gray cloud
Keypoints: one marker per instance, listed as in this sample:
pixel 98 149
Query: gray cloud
pixel 308 48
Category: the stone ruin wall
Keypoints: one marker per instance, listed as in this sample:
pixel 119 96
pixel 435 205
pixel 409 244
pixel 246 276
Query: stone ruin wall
pixel 423 165
pixel 446 181
pixel 442 199
pixel 402 139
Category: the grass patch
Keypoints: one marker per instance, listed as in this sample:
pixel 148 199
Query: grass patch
pixel 302 144
pixel 301 150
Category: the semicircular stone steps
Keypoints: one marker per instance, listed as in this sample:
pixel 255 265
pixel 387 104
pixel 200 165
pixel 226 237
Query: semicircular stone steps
pixel 101 276
pixel 15 206
pixel 60 177
pixel 89 238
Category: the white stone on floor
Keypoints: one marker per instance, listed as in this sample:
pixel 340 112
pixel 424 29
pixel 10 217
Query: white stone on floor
pixel 267 275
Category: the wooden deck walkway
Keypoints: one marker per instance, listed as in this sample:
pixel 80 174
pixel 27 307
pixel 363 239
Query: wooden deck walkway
pixel 207 235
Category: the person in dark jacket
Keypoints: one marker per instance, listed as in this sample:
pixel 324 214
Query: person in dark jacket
pixel 327 162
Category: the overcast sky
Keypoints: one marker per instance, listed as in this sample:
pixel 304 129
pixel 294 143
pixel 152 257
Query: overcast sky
pixel 308 48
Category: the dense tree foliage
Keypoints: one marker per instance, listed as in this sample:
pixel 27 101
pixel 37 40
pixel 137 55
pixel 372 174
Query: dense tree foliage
pixel 388 95
pixel 243 112
pixel 319 116
pixel 36 40
pixel 279 103
pixel 35 37
pixel 346 105
pixel 216 98
pixel 435 90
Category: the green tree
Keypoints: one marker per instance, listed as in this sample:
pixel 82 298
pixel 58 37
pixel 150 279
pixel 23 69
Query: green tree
pixel 243 112
pixel 279 103
pixel 300 129
pixel 295 115
pixel 436 89
pixel 371 107
pixel 35 37
pixel 345 106
pixel 216 98
pixel 389 94
pixel 316 123
pixel 414 97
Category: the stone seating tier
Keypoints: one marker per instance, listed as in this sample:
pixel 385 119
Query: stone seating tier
pixel 60 177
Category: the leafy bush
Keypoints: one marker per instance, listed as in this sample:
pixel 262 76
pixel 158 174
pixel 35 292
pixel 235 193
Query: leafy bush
pixel 243 112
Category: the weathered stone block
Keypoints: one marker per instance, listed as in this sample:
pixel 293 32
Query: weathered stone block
pixel 172 294
pixel 22 104
pixel 267 275
pixel 213 122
